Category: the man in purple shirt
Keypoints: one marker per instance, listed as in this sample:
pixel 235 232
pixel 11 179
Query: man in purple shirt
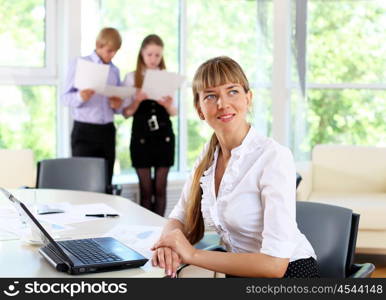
pixel 93 133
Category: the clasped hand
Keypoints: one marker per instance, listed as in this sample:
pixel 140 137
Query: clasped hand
pixel 171 250
pixel 115 102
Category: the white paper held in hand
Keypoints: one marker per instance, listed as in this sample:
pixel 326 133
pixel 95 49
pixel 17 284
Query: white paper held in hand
pixel 90 75
pixel 160 83
pixel 118 91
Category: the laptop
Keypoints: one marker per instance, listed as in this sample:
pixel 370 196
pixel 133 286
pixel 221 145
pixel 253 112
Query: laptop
pixel 83 255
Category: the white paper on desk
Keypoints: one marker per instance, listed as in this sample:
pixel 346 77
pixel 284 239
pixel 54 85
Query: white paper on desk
pixel 118 91
pixel 11 226
pixel 160 83
pixel 90 75
pixel 77 214
pixel 139 238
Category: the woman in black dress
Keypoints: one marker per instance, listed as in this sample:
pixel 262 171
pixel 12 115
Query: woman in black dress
pixel 152 138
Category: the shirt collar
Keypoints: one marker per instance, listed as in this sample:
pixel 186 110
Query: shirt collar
pixel 96 59
pixel 251 140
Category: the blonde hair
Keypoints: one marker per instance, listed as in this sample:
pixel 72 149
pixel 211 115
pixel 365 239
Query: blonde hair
pixel 109 36
pixel 214 72
pixel 151 39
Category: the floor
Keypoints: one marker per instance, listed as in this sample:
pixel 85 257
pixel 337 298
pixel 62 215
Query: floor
pixel 378 260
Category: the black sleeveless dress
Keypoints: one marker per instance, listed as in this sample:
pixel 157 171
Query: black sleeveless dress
pixel 152 138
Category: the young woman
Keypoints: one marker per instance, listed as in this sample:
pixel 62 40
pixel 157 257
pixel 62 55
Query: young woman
pixel 152 137
pixel 243 186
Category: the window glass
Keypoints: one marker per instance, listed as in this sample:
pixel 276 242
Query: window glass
pixel 222 27
pixel 22 33
pixel 346 41
pixel 135 19
pixel 28 119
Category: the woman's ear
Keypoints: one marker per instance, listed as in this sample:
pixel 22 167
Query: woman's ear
pixel 249 96
pixel 200 114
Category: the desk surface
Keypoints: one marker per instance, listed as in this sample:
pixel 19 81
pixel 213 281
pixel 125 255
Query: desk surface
pixel 19 259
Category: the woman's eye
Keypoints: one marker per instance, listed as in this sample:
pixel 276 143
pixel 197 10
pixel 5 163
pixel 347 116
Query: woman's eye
pixel 210 97
pixel 233 92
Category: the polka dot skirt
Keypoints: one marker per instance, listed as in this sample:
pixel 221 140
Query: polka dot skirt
pixel 302 268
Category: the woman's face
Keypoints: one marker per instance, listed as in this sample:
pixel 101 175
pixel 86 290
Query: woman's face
pixel 224 107
pixel 152 56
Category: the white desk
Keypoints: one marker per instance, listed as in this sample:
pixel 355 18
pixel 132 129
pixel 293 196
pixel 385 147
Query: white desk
pixel 18 259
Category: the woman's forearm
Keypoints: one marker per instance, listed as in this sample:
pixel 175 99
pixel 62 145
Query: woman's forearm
pixel 240 264
pixel 172 110
pixel 171 225
pixel 131 109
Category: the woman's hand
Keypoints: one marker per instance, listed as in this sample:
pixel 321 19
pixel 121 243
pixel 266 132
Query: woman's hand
pixel 167 259
pixel 166 101
pixel 86 94
pixel 140 96
pixel 115 102
pixel 176 241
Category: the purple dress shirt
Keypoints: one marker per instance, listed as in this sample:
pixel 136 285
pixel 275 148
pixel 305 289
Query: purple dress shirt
pixel 97 110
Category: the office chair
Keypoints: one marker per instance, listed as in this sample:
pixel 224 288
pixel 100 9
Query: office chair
pixel 75 173
pixel 298 179
pixel 332 232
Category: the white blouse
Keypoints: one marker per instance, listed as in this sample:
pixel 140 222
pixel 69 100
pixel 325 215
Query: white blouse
pixel 255 209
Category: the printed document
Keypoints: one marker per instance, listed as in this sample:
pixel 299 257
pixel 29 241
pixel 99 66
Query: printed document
pixel 160 83
pixel 90 75
pixel 118 91
pixel 140 238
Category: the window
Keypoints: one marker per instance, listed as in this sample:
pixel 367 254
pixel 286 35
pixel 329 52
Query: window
pixel 238 28
pixel 27 119
pixel 345 75
pixel 134 20
pixel 28 81
pixel 233 33
pixel 22 33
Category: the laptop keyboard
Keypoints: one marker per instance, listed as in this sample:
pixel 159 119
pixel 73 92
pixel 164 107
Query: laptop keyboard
pixel 89 252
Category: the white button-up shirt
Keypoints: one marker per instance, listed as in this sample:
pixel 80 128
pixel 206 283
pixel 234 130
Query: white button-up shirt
pixel 255 209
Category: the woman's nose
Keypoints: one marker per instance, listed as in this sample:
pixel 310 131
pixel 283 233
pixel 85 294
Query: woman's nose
pixel 222 101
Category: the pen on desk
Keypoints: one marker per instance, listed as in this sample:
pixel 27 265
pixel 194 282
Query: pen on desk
pixel 101 215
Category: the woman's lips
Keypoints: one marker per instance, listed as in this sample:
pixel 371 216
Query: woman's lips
pixel 226 117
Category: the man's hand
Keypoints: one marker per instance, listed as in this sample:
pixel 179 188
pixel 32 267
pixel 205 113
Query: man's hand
pixel 86 94
pixel 115 102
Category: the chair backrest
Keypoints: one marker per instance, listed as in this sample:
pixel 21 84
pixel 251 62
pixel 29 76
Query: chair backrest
pixel 17 168
pixel 75 173
pixel 330 232
pixel 298 179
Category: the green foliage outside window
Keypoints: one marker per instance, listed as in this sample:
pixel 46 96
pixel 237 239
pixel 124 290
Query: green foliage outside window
pixel 345 45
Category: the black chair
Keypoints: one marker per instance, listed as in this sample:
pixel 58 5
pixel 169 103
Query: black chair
pixel 75 173
pixel 298 179
pixel 332 232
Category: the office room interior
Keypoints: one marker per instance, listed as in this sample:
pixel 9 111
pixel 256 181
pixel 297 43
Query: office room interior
pixel 315 69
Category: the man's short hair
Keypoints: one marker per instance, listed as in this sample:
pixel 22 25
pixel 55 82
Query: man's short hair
pixel 109 36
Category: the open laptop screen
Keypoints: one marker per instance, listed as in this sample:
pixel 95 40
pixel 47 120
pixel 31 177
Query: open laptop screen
pixel 28 216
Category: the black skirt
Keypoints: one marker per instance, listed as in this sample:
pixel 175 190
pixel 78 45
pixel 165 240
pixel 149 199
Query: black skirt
pixel 152 138
pixel 303 268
